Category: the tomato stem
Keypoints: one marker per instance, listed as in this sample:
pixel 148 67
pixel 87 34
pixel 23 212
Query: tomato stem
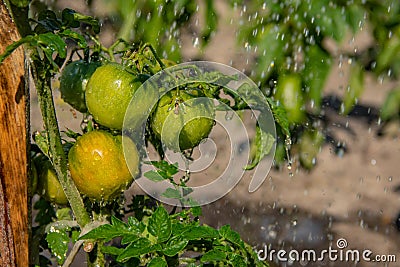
pixel 42 78
pixel 153 51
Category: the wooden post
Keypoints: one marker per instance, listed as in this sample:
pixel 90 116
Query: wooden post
pixel 14 212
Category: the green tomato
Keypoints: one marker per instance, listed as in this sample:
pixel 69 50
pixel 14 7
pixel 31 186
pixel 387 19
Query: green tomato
pixel 33 177
pixel 186 118
pixel 73 81
pixel 310 144
pixel 98 167
pixel 48 185
pixel 109 92
pixel 290 95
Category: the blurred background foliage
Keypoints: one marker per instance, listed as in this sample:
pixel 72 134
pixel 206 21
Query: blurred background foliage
pixel 287 41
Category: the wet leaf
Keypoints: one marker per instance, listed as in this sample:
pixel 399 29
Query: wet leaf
pixel 42 142
pixel 355 17
pixel 280 116
pixel 272 41
pixel 237 260
pixel 211 21
pixel 73 19
pixel 160 224
pixel 137 248
pixel 214 255
pixel 117 228
pixel 157 262
pixel 172 193
pixel 316 70
pixel 78 38
pixel 154 176
pixel 111 250
pixel 261 147
pixel 232 236
pixel 200 231
pixel 175 245
pixel 58 241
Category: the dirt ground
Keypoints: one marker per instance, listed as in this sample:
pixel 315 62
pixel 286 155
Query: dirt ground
pixel 355 196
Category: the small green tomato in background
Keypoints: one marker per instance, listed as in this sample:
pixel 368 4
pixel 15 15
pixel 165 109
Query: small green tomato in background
pixel 187 118
pixel 310 144
pixel 48 185
pixel 73 81
pixel 109 92
pixel 290 95
pixel 98 167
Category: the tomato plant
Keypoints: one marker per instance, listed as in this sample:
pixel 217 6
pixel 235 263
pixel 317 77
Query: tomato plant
pixel 83 174
pixel 82 202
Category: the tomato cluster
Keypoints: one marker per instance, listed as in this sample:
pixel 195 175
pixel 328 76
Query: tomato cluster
pixel 103 91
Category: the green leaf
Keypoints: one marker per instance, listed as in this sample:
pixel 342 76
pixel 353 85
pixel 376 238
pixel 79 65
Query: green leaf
pixel 58 241
pixel 280 116
pixel 237 260
pixel 46 212
pixel 201 231
pixel 78 38
pixel 391 106
pixel 211 21
pixel 160 224
pixel 47 22
pixel 165 169
pixel 272 42
pixel 172 193
pixel 75 235
pixel 117 228
pixel 355 17
pixel 354 89
pixel 9 49
pixel 253 98
pixel 214 255
pixel 73 19
pixel 262 145
pixel 42 142
pixel 157 262
pixel 111 250
pixel 154 176
pixel 175 245
pixel 20 3
pixel 137 248
pixel 64 214
pixel 196 211
pixel 227 233
pixel 51 43
pixel 316 70
pixel 331 22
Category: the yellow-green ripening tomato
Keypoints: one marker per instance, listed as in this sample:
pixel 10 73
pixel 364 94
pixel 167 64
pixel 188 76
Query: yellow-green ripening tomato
pixel 98 166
